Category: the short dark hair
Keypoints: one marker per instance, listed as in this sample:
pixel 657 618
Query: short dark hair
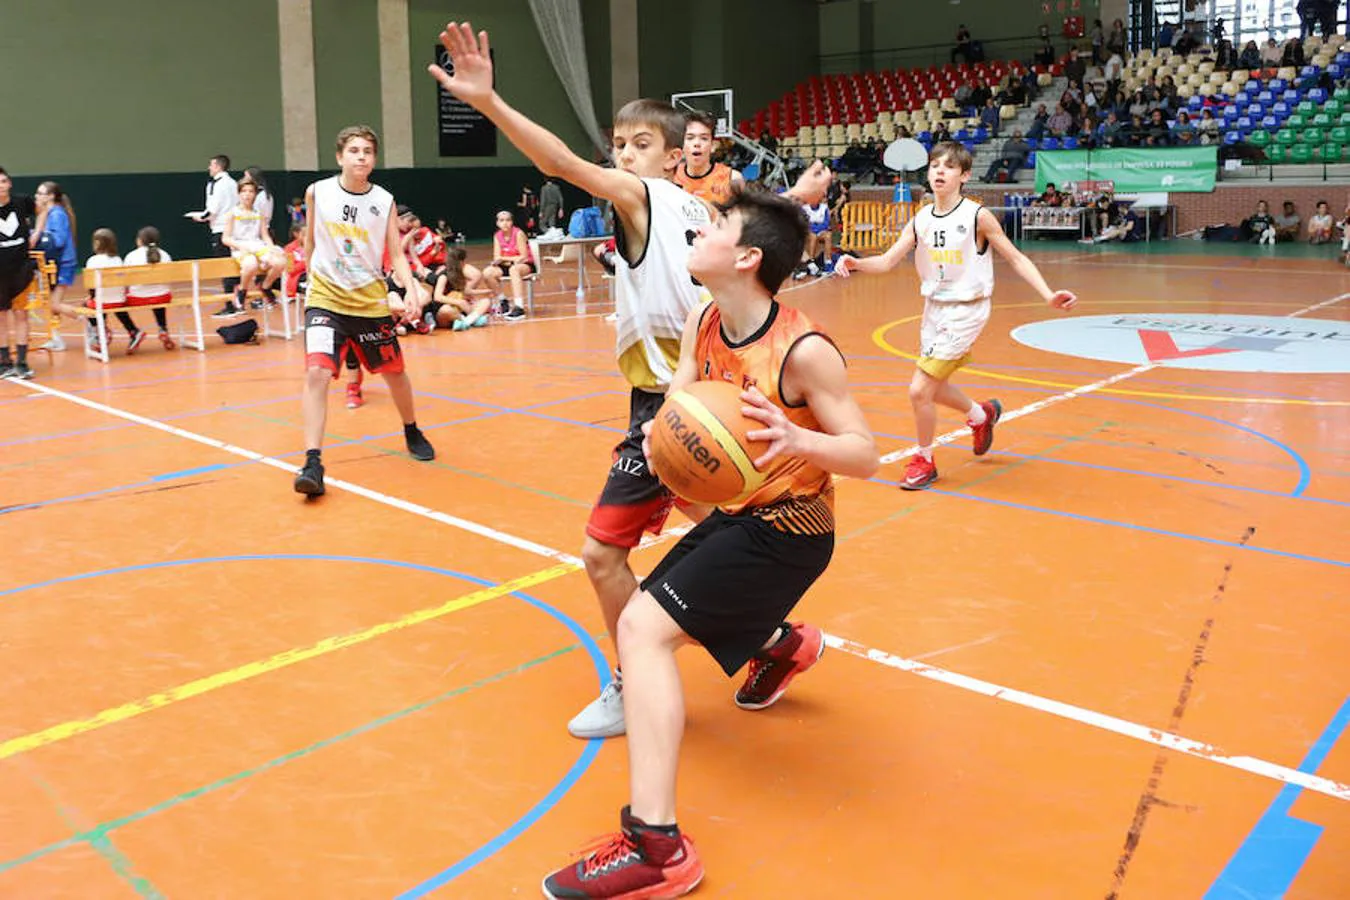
pixel 221 160
pixel 777 227
pixel 658 113
pixel 706 119
pixel 954 153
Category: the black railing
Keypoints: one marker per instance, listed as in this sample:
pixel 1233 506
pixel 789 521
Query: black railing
pixel 924 55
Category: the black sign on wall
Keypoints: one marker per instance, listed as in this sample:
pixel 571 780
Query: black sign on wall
pixel 462 130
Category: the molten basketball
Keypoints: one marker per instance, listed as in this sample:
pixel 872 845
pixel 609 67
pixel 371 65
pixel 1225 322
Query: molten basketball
pixel 698 444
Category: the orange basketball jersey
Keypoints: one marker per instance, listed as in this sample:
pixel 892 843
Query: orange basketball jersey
pixel 796 496
pixel 714 187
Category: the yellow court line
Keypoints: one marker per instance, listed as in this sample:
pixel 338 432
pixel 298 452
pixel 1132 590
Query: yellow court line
pixel 879 338
pixel 56 733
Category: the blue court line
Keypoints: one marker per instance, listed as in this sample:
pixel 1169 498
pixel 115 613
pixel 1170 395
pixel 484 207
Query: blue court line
pixel 1096 520
pixel 188 473
pixel 1305 473
pixel 569 779
pixel 1271 856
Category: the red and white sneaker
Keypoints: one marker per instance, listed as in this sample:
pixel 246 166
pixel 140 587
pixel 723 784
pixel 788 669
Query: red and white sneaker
pixel 134 342
pixel 167 340
pixel 354 398
pixel 638 863
pixel 982 435
pixel 772 670
pixel 919 474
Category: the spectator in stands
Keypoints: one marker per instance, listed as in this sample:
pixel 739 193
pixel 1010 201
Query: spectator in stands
pixel 1288 225
pixel 962 48
pixel 1157 134
pixel 1183 126
pixel 1167 92
pixel 1097 35
pixel 1321 225
pixel 54 234
pixel 1271 54
pixel 1112 71
pixel 990 118
pixel 1136 132
pixel 1038 126
pixel 1187 43
pixel 1307 16
pixel 1113 131
pixel 1051 197
pixel 1012 157
pixel 1226 57
pixel 550 205
pixel 1076 68
pixel 1326 15
pixel 1166 34
pixel 1115 41
pixel 1072 100
pixel 1293 54
pixel 1061 123
pixel 1208 127
pixel 1251 56
pixel 940 133
pixel 1045 56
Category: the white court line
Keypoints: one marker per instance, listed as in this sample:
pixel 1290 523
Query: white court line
pixel 1088 717
pixel 291 468
pixel 1153 736
pixel 1316 306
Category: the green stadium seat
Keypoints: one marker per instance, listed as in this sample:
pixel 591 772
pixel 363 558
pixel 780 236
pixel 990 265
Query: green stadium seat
pixel 1342 94
pixel 1300 153
pixel 1314 137
pixel 1332 153
pixel 1286 137
pixel 1333 108
pixel 1339 135
pixel 1322 120
pixel 1306 108
pixel 1276 153
pixel 1259 138
pixel 1344 119
pixel 1296 122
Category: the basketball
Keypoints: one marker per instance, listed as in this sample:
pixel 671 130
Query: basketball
pixel 698 444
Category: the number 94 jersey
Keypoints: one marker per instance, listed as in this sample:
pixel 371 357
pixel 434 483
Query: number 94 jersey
pixel 952 265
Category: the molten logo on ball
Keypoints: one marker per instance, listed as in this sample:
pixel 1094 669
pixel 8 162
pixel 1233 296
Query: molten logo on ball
pixel 687 438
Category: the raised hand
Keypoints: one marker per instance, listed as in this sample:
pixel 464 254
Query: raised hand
pixel 813 184
pixel 472 58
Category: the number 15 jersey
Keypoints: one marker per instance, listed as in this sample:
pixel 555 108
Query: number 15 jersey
pixel 951 264
pixel 346 266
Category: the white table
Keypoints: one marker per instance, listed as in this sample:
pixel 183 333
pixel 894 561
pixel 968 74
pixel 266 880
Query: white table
pixel 537 246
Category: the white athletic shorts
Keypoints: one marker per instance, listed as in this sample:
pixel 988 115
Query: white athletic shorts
pixel 949 330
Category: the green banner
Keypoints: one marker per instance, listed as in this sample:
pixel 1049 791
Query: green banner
pixel 1133 169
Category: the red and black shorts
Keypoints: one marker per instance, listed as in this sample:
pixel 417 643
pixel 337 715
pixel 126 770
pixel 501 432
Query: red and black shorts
pixel 633 500
pixel 329 336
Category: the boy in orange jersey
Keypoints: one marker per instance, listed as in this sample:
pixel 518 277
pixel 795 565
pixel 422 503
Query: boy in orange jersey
pixel 953 237
pixel 654 295
pixel 730 583
pixel 698 174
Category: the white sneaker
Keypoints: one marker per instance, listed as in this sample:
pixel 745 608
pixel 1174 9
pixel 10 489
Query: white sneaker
pixel 57 343
pixel 603 716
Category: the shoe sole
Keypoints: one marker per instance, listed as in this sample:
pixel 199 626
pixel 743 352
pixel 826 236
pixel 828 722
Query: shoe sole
pixel 655 892
pixel 998 414
pixel 782 688
pixel 423 457
pixel 612 732
pixel 918 485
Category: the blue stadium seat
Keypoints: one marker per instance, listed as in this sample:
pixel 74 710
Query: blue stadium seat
pixel 1251 88
pixel 1245 124
pixel 1336 71
pixel 1277 85
pixel 1271 123
pixel 1266 96
pixel 1292 95
pixel 1232 137
pixel 1254 111
pixel 1281 109
pixel 1070 143
pixel 1050 143
pixel 1318 95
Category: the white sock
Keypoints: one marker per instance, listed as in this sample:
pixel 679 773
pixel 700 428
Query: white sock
pixel 926 453
pixel 977 415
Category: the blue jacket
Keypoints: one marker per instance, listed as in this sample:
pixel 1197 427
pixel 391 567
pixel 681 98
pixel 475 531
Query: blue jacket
pixel 57 241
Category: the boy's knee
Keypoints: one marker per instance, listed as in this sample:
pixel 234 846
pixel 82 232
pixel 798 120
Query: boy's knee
pixel 318 376
pixel 602 560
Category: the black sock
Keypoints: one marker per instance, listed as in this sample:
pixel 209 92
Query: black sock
pixel 312 454
pixel 4 355
pixel 410 429
pixel 23 354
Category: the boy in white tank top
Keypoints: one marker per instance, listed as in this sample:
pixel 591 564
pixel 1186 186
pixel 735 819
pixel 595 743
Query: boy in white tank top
pixel 654 295
pixel 350 229
pixel 952 239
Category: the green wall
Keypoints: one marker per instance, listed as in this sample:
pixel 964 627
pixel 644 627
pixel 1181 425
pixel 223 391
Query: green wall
pixel 346 69
pixel 95 87
pixel 525 76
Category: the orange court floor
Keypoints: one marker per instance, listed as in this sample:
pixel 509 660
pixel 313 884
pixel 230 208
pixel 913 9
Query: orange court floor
pixel 1109 659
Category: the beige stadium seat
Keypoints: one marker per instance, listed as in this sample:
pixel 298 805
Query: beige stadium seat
pixel 949 104
pixel 837 134
pixel 932 105
pixel 1146 53
pixel 1205 68
pixel 1207 90
pixel 888 133
pixel 885 116
pixel 853 131
pixel 821 134
pixel 1230 89
pixel 1217 77
pixel 1185 70
pixel 1186 91
pixel 1241 76
pixel 1007 112
pixel 1288 73
pixel 1044 79
pixel 871 129
pixel 1195 79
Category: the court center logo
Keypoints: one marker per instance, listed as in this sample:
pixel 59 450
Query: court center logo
pixel 1217 343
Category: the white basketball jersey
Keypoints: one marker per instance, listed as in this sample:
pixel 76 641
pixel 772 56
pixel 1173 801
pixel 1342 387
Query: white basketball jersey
pixel 247 228
pixel 346 267
pixel 947 255
pixel 654 298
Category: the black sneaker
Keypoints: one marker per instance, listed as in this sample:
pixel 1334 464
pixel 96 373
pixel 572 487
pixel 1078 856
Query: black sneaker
pixel 309 481
pixel 7 371
pixel 517 314
pixel 225 312
pixel 22 371
pixel 418 446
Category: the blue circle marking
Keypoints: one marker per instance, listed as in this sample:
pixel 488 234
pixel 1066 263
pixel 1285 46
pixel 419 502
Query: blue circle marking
pixel 589 751
pixel 1212 342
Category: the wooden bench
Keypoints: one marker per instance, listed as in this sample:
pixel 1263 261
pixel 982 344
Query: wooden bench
pixel 194 272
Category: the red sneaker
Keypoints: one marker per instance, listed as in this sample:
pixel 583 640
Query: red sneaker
pixel 637 863
pixel 354 399
pixel 919 474
pixel 772 670
pixel 982 435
